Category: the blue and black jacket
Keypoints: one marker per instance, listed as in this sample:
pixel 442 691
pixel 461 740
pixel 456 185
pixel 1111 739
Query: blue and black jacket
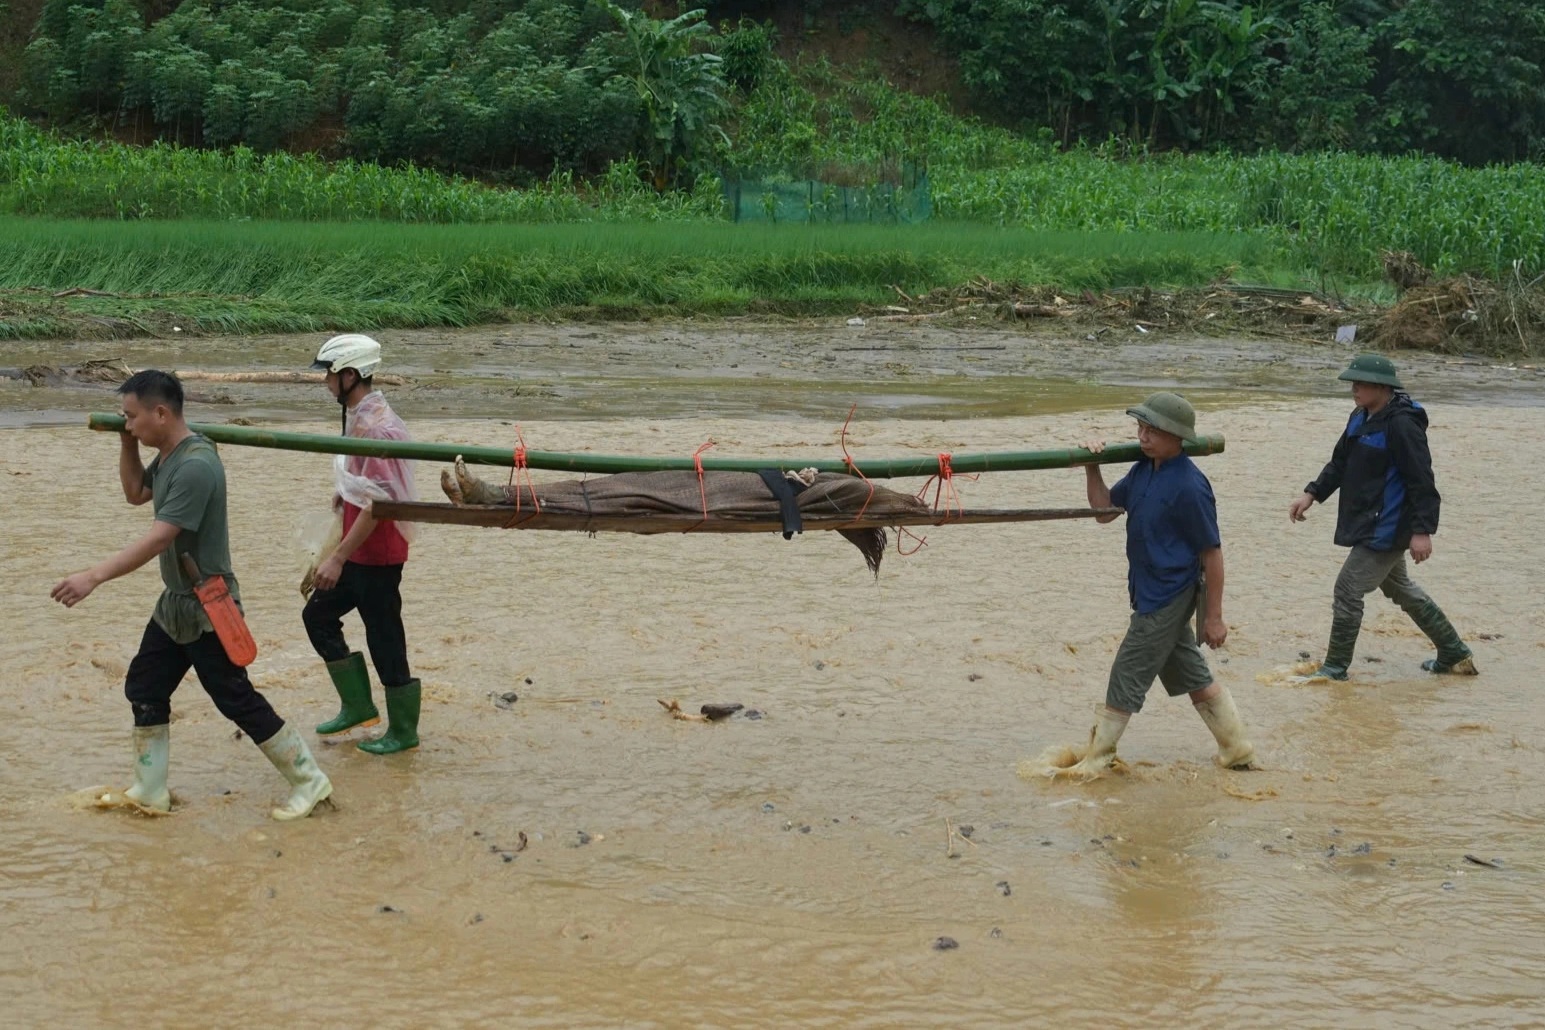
pixel 1383 469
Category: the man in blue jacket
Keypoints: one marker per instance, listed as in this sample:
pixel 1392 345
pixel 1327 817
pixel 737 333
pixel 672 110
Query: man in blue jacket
pixel 1389 504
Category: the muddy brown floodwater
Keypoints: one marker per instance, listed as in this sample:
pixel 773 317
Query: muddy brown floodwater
pixel 789 870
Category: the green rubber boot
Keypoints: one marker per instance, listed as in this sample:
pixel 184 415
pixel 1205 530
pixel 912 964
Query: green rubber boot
pixel 152 754
pixel 1453 655
pixel 352 682
pixel 1338 653
pixel 402 704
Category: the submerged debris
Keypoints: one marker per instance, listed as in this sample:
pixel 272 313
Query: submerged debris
pixel 721 711
pixel 673 708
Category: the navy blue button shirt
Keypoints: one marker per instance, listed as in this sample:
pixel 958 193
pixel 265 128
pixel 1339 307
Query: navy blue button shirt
pixel 1171 519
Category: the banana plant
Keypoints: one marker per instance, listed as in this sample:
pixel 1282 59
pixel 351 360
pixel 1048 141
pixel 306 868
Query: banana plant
pixel 681 88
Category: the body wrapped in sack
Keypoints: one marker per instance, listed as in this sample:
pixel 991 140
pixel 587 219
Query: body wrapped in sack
pixel 720 494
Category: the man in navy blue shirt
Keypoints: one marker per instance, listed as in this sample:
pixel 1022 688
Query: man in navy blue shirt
pixel 1174 571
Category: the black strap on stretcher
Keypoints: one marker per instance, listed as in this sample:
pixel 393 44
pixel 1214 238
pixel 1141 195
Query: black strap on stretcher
pixel 786 491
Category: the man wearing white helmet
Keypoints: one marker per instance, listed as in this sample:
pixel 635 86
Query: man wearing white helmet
pixel 364 570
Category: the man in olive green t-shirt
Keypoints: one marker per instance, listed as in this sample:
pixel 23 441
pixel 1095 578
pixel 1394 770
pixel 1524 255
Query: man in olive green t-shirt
pixel 186 482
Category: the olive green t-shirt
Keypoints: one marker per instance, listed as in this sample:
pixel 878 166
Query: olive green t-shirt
pixel 188 491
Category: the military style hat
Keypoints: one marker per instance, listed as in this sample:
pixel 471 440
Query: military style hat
pixel 1372 368
pixel 1168 412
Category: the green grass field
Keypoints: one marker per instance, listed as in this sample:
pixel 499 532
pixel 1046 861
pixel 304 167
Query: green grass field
pixel 304 276
pixel 234 241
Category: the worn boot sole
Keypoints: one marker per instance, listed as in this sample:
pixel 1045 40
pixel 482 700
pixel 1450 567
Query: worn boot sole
pixel 285 815
pixel 1464 667
pixel 364 746
pixel 161 803
pixel 1320 675
pixel 326 729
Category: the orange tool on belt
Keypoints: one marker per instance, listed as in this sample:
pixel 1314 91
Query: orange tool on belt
pixel 223 614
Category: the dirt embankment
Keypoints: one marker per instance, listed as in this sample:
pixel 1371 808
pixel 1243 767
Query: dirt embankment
pixel 1458 315
pixel 1451 316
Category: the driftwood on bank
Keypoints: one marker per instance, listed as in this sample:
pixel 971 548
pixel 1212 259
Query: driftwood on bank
pixel 1013 309
pixel 194 375
pixel 112 371
pixel 1220 308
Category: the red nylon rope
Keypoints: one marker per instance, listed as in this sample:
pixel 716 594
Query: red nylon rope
pixel 943 483
pixel 523 471
pixel 702 489
pixel 847 459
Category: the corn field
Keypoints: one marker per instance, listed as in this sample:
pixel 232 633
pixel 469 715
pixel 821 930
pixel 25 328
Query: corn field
pixel 1311 215
pixel 44 176
pixel 1325 213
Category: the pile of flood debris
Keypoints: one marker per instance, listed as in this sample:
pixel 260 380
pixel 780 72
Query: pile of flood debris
pixel 1462 313
pixel 1219 309
pixel 1466 314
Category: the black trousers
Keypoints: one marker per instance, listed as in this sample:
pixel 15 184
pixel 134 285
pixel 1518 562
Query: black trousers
pixel 160 666
pixel 376 590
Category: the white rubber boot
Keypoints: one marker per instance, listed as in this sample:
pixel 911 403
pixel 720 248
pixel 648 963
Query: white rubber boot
pixel 152 755
pixel 1096 756
pixel 309 785
pixel 1222 718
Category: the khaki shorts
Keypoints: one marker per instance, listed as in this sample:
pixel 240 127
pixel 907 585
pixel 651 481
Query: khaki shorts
pixel 1160 645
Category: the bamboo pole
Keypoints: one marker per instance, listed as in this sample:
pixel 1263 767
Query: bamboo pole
pixel 874 468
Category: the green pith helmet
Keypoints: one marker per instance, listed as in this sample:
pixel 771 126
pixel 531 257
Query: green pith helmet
pixel 1372 368
pixel 1169 413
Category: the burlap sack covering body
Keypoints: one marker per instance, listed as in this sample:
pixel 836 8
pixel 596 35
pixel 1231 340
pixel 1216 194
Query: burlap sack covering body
pixel 682 493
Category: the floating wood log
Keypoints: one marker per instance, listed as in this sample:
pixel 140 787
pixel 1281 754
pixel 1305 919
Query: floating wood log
pixel 873 468
pixel 113 371
pixel 503 517
pixel 195 375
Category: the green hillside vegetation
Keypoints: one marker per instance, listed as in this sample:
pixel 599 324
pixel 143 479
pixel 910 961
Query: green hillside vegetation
pixel 1316 215
pixel 511 87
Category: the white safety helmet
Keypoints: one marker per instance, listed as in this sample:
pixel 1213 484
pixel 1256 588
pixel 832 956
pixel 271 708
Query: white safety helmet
pixel 351 350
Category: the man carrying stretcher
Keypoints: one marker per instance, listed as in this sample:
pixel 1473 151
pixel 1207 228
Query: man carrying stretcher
pixel 186 483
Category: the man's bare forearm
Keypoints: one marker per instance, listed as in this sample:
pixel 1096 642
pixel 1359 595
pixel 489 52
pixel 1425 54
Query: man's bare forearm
pixel 1097 492
pixel 356 536
pixel 131 470
pixel 135 554
pixel 1212 570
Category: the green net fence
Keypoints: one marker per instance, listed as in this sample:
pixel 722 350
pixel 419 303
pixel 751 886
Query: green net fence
pixel 810 200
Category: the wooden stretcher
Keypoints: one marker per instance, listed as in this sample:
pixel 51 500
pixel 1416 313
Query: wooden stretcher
pixel 507 517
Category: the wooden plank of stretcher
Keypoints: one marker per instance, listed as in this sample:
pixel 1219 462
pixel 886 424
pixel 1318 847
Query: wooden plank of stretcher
pixel 506 517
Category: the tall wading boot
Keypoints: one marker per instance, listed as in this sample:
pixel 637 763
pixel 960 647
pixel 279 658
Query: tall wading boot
pixel 352 682
pixel 401 734
pixel 152 754
pixel 1338 653
pixel 1097 756
pixel 1453 655
pixel 309 786
pixel 1228 729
